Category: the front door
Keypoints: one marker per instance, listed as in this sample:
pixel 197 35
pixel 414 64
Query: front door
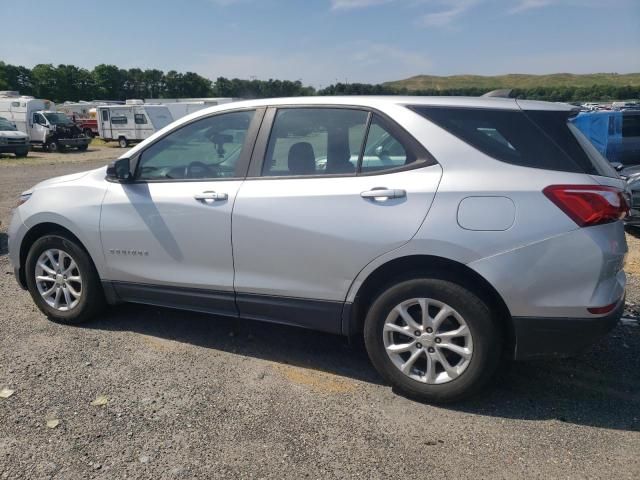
pixel 38 128
pixel 167 235
pixel 337 188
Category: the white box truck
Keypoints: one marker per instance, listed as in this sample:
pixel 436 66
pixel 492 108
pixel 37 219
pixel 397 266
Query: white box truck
pixel 45 126
pixel 131 122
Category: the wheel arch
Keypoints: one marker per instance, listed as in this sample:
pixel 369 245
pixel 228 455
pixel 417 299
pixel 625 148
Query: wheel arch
pixel 417 266
pixel 38 231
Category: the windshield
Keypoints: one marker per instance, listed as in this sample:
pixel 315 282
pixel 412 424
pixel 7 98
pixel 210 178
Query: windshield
pixel 57 118
pixel 6 125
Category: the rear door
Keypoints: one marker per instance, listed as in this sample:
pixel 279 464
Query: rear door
pixel 314 212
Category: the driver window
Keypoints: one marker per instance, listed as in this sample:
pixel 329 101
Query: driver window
pixel 207 148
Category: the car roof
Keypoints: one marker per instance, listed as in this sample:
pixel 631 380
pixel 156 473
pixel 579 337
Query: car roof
pixel 376 101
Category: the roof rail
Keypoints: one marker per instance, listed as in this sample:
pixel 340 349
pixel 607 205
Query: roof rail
pixel 500 93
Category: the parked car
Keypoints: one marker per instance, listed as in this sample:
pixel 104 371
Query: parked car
pixel 132 122
pixel 483 229
pixel 12 140
pixel 45 126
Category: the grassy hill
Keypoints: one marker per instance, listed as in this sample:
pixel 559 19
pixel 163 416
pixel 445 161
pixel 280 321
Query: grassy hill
pixel 515 80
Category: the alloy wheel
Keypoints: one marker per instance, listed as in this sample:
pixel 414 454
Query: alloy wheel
pixel 58 279
pixel 427 340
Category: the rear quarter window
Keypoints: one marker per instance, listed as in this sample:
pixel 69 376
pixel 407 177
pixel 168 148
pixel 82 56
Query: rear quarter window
pixel 536 139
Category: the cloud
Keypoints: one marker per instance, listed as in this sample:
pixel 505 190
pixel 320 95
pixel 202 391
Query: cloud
pixel 452 10
pixel 525 5
pixel 353 4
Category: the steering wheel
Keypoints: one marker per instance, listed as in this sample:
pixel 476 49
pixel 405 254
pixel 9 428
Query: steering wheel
pixel 197 170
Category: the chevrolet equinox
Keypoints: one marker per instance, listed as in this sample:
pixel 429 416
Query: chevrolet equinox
pixel 453 233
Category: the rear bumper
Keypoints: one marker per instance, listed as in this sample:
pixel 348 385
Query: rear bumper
pixel 560 337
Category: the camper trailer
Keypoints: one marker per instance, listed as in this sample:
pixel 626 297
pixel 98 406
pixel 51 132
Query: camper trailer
pixel 45 126
pixel 131 122
pixel 180 107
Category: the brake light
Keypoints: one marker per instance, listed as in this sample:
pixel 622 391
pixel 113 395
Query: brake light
pixel 589 205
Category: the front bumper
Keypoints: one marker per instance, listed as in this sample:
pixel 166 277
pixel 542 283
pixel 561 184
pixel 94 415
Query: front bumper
pixel 14 148
pixel 74 142
pixel 561 337
pixel 19 278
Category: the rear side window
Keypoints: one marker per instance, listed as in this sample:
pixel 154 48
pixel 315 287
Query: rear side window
pixel 537 139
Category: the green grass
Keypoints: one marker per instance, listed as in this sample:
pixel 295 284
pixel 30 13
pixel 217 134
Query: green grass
pixel 514 80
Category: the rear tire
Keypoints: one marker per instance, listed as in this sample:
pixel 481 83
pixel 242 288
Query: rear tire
pixel 387 334
pixel 59 263
pixel 123 142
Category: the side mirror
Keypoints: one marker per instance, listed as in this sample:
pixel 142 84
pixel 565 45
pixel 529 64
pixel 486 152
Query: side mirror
pixel 119 171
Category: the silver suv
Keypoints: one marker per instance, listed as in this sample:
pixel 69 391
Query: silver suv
pixel 454 233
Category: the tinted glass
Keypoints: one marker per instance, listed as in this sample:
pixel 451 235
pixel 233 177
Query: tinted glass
pixel 538 139
pixel 383 150
pixel 315 141
pixel 119 120
pixel 140 118
pixel 631 125
pixel 207 148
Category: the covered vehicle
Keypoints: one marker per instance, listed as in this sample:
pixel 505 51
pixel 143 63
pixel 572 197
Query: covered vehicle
pixel 12 140
pixel 616 134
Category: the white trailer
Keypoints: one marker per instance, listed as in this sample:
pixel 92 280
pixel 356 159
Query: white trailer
pixel 131 122
pixel 180 107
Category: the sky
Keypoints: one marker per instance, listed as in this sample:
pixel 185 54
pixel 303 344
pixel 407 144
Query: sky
pixel 323 41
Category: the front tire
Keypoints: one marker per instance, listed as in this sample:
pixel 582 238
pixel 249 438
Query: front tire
pixel 52 146
pixel 22 153
pixel 433 340
pixel 63 281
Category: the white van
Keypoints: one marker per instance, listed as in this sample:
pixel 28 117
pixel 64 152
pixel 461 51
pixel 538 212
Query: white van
pixel 131 122
pixel 39 119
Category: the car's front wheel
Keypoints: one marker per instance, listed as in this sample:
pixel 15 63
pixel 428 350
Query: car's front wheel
pixel 433 339
pixel 62 280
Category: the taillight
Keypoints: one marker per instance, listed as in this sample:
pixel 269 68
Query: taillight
pixel 589 205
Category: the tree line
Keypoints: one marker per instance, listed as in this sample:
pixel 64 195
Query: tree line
pixel 108 82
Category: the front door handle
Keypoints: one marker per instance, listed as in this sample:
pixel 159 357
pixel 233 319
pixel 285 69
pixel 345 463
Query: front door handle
pixel 204 196
pixel 383 193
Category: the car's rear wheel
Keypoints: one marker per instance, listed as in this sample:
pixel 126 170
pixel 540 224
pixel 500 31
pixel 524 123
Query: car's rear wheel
pixel 123 142
pixel 433 339
pixel 62 280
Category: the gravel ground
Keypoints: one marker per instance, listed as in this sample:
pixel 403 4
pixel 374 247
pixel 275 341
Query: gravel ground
pixel 196 396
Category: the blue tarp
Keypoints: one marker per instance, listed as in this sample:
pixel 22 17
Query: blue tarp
pixel 604 129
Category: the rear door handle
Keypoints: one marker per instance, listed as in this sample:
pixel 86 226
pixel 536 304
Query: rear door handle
pixel 204 196
pixel 382 193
